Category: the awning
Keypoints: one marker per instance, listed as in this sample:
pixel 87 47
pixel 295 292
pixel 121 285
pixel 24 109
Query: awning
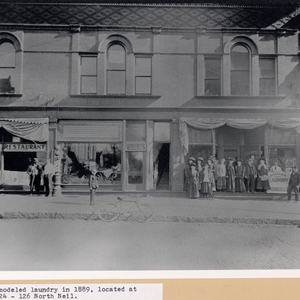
pixel 36 129
pixel 209 124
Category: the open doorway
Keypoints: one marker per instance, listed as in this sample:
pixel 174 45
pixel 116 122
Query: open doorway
pixel 161 165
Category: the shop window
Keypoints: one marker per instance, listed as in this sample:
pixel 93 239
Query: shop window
pixel 116 69
pixel 143 75
pixel 267 76
pixel 135 131
pixel 78 158
pixel 240 70
pixel 212 76
pixel 284 156
pixel 7 66
pixel 88 74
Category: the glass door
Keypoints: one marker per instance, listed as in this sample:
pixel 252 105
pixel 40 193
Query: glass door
pixel 135 163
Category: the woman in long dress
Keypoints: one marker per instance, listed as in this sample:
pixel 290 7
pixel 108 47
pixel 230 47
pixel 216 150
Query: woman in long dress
pixel 240 177
pixel 193 182
pixel 211 167
pixel 230 176
pixel 206 181
pixel 221 175
pixel 263 183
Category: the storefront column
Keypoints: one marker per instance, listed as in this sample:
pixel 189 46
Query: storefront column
pixel 124 177
pixel 149 155
pixel 266 145
pixel 57 167
pixel 297 149
pixel 2 164
pixel 176 159
pixel 214 151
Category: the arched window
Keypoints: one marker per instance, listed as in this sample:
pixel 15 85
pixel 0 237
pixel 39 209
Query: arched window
pixel 10 64
pixel 7 66
pixel 116 69
pixel 240 70
pixel 7 55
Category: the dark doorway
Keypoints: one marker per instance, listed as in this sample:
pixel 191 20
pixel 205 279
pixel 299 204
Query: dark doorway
pixel 161 166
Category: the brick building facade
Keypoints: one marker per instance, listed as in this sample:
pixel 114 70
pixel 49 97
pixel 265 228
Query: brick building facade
pixel 134 90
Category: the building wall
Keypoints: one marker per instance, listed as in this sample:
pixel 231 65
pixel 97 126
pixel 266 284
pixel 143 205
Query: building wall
pixel 51 61
pixel 51 76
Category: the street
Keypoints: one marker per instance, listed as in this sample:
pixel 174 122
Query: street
pixel 56 245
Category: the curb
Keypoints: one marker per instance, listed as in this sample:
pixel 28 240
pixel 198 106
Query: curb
pixel 157 218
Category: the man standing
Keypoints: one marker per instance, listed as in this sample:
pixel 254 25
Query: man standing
pixel 34 171
pixel 250 176
pixel 48 174
pixel 294 184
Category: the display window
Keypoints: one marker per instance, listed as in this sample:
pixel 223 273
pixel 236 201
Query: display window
pixel 78 158
pixel 284 157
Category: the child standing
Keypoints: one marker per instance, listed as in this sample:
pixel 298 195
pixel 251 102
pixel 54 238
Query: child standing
pixel 93 185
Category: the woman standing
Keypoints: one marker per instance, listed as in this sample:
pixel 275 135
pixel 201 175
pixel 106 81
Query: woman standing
pixel 221 175
pixel 230 175
pixel 193 182
pixel 240 171
pixel 205 180
pixel 263 183
pixel 211 167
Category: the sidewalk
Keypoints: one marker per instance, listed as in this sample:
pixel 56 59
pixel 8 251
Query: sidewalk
pixel 167 207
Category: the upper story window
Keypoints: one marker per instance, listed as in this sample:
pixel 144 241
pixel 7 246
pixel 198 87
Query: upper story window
pixel 240 70
pixel 7 55
pixel 7 66
pixel 267 76
pixel 88 74
pixel 116 69
pixel 143 75
pixel 212 76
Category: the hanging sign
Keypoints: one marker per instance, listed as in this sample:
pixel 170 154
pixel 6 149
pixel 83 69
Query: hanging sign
pixel 10 147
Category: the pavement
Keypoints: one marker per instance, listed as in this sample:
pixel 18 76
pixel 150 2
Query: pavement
pixel 167 207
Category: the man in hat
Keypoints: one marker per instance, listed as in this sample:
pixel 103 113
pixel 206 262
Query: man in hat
pixel 34 171
pixel 294 183
pixel 48 176
pixel 250 176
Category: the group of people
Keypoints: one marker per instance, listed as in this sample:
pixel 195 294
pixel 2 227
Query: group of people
pixel 204 178
pixel 40 175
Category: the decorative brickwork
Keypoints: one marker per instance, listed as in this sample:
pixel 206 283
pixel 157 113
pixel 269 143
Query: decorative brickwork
pixel 209 16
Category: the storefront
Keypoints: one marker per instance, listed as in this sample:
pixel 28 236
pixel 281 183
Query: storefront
pixel 21 140
pixel 275 140
pixel 124 153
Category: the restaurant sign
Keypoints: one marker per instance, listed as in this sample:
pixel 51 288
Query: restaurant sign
pixel 10 147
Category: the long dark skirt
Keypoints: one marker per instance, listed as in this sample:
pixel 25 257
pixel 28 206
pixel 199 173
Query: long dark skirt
pixel 240 185
pixel 221 183
pixel 206 188
pixel 262 185
pixel 193 191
